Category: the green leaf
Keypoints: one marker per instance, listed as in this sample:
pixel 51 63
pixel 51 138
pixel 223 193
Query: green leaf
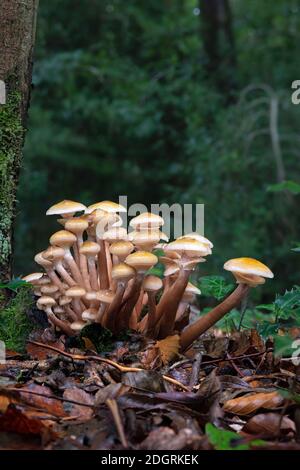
pixel 283 346
pixel 215 286
pixel 290 186
pixel 157 270
pixel 14 284
pixel 228 440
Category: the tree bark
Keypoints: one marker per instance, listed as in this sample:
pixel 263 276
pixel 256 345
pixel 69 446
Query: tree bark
pixel 218 43
pixel 17 36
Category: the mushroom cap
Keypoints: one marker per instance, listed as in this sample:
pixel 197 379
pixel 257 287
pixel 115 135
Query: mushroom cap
pixel 198 237
pixel 248 266
pixel 91 295
pixel 39 259
pixel 249 279
pixel 90 314
pixel 115 234
pixel 58 309
pixel 122 272
pixel 45 301
pixel 64 300
pixel 89 248
pixel 63 238
pixel 75 291
pixel 33 278
pixel 121 248
pixel 108 206
pixel 146 237
pixel 152 283
pixel 105 296
pixel 141 260
pixel 76 224
pixel 78 325
pixel 65 207
pixel 146 220
pixel 45 280
pixel 49 289
pixel 189 247
pixel 53 253
pixel 191 289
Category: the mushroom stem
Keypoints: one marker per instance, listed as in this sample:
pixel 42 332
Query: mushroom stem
pixel 64 326
pixel 110 316
pixel 93 273
pixel 73 267
pixel 199 327
pixel 64 274
pixel 168 305
pixel 133 295
pixel 103 271
pixel 151 316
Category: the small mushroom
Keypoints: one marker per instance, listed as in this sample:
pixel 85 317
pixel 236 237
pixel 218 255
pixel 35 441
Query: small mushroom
pixel 66 208
pixel 65 239
pixel 250 269
pixel 91 249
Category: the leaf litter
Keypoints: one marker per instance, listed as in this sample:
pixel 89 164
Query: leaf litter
pixel 225 393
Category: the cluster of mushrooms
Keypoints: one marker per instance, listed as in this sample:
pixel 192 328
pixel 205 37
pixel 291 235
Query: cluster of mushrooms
pixel 96 271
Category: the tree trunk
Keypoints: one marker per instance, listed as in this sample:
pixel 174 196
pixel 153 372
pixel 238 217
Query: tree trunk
pixel 219 44
pixel 17 34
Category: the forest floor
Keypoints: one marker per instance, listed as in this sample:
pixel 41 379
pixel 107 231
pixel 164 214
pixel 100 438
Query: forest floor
pixel 227 392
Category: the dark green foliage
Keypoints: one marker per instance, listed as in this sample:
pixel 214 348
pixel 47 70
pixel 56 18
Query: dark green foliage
pixel 222 439
pixel 121 105
pixel 15 325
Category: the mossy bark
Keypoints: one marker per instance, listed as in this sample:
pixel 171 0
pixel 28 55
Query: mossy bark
pixel 17 34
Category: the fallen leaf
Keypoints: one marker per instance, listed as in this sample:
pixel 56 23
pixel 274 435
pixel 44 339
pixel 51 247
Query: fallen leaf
pixel 147 380
pixel 42 401
pixel 269 424
pixel 250 403
pixel 40 353
pixel 79 411
pixel 4 402
pixel 26 421
pixel 110 391
pixel 168 348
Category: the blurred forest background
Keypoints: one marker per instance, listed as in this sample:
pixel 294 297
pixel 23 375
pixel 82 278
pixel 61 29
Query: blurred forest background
pixel 169 101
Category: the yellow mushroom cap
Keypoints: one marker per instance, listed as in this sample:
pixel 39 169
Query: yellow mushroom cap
pixel 248 266
pixel 121 248
pixel 105 296
pixel 152 283
pixel 197 237
pixel 147 237
pixel 49 289
pixel 76 225
pixel 189 247
pixel 45 301
pixel 39 259
pixel 146 220
pixel 33 278
pixel 78 325
pixel 65 207
pixel 63 238
pixel 115 234
pixel 122 272
pixel 53 253
pixel 108 206
pixel 75 291
pixel 89 248
pixel 64 300
pixel 141 260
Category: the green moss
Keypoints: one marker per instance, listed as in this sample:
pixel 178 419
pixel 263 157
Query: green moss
pixel 15 325
pixel 11 139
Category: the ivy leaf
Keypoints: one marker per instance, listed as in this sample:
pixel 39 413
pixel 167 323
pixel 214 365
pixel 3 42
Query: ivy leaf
pixel 215 286
pixel 283 346
pixel 157 270
pixel 228 440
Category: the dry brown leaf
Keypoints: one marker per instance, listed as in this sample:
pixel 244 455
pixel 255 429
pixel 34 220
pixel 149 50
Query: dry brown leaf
pixel 168 348
pixel 247 404
pixel 269 424
pixel 4 402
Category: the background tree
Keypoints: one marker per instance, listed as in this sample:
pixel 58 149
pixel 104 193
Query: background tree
pixel 17 33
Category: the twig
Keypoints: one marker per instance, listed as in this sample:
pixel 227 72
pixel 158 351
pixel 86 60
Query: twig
pixel 195 370
pixel 79 357
pixel 113 407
